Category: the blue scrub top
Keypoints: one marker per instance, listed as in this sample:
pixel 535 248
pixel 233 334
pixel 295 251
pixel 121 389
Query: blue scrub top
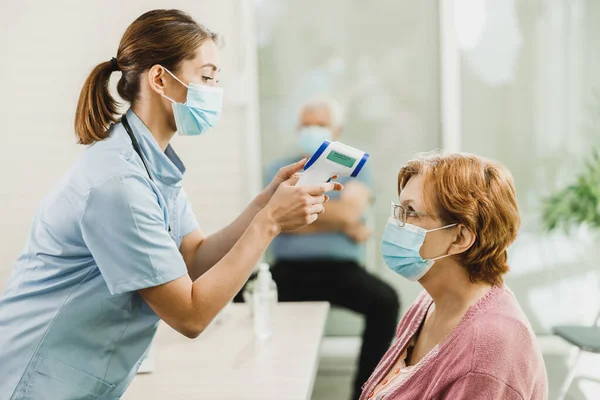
pixel 72 325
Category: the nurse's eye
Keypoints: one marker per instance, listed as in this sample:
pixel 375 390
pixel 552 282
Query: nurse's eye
pixel 207 79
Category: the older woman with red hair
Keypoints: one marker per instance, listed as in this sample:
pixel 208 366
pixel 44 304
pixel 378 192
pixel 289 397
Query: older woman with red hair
pixel 465 337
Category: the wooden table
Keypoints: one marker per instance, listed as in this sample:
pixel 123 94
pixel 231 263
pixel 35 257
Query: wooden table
pixel 227 363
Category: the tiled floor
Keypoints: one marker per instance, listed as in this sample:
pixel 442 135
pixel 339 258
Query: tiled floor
pixel 338 358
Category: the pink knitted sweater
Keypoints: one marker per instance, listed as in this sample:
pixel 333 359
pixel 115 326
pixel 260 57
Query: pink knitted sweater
pixel 491 354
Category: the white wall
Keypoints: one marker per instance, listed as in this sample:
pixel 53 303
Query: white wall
pixel 49 47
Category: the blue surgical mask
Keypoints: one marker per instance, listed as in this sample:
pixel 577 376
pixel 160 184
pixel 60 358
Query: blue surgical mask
pixel 201 110
pixel 311 137
pixel 400 247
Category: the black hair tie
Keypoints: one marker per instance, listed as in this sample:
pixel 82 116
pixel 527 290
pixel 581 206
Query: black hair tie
pixel 113 65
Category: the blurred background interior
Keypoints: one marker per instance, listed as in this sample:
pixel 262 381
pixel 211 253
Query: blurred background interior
pixel 515 80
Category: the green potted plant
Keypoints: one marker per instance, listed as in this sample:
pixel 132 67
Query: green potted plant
pixel 578 203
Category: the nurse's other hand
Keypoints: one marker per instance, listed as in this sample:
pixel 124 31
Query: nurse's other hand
pixel 283 175
pixel 292 207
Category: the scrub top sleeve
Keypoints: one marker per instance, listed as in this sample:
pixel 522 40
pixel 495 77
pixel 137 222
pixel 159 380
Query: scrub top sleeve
pixel 124 228
pixel 189 223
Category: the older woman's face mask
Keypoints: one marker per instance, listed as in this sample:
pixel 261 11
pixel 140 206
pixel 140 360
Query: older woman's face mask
pixel 401 245
pixel 405 234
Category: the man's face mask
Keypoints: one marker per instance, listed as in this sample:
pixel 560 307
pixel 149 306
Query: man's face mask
pixel 311 137
pixel 201 110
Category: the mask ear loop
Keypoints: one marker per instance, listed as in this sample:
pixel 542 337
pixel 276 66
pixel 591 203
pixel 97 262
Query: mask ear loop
pixel 439 229
pixel 168 98
pixel 178 80
pixel 443 227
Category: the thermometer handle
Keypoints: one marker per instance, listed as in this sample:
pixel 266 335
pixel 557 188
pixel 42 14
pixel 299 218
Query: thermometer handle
pixel 312 178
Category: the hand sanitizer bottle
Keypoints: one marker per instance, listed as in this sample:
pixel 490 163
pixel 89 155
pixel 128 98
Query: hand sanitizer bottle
pixel 263 298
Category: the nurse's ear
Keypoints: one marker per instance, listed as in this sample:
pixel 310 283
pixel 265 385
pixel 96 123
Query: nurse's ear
pixel 163 84
pixel 156 79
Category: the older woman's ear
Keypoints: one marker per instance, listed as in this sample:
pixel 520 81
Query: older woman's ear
pixel 463 240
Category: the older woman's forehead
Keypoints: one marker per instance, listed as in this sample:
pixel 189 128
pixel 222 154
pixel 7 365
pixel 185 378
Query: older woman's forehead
pixel 414 194
pixel 412 191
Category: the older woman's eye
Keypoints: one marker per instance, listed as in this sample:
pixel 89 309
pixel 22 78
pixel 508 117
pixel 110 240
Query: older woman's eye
pixel 410 212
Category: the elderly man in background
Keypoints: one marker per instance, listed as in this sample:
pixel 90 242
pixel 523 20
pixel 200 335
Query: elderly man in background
pixel 321 262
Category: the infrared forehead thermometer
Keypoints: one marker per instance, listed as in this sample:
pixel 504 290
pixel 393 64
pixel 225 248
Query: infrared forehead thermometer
pixel 332 158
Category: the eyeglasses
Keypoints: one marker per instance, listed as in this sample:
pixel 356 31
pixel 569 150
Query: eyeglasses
pixel 400 214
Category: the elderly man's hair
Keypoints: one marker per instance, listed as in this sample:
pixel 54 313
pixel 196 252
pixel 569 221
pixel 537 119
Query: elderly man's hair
pixel 333 106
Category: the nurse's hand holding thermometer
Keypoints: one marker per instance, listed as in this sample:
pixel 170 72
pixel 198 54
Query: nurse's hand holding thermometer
pixel 293 205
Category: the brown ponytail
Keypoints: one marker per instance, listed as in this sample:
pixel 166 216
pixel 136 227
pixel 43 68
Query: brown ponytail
pixel 164 37
pixel 96 108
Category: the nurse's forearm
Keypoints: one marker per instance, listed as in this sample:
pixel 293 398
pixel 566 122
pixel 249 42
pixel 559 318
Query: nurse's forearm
pixel 213 290
pixel 189 307
pixel 214 247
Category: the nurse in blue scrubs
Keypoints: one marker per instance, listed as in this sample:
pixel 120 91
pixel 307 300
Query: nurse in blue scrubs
pixel 115 247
